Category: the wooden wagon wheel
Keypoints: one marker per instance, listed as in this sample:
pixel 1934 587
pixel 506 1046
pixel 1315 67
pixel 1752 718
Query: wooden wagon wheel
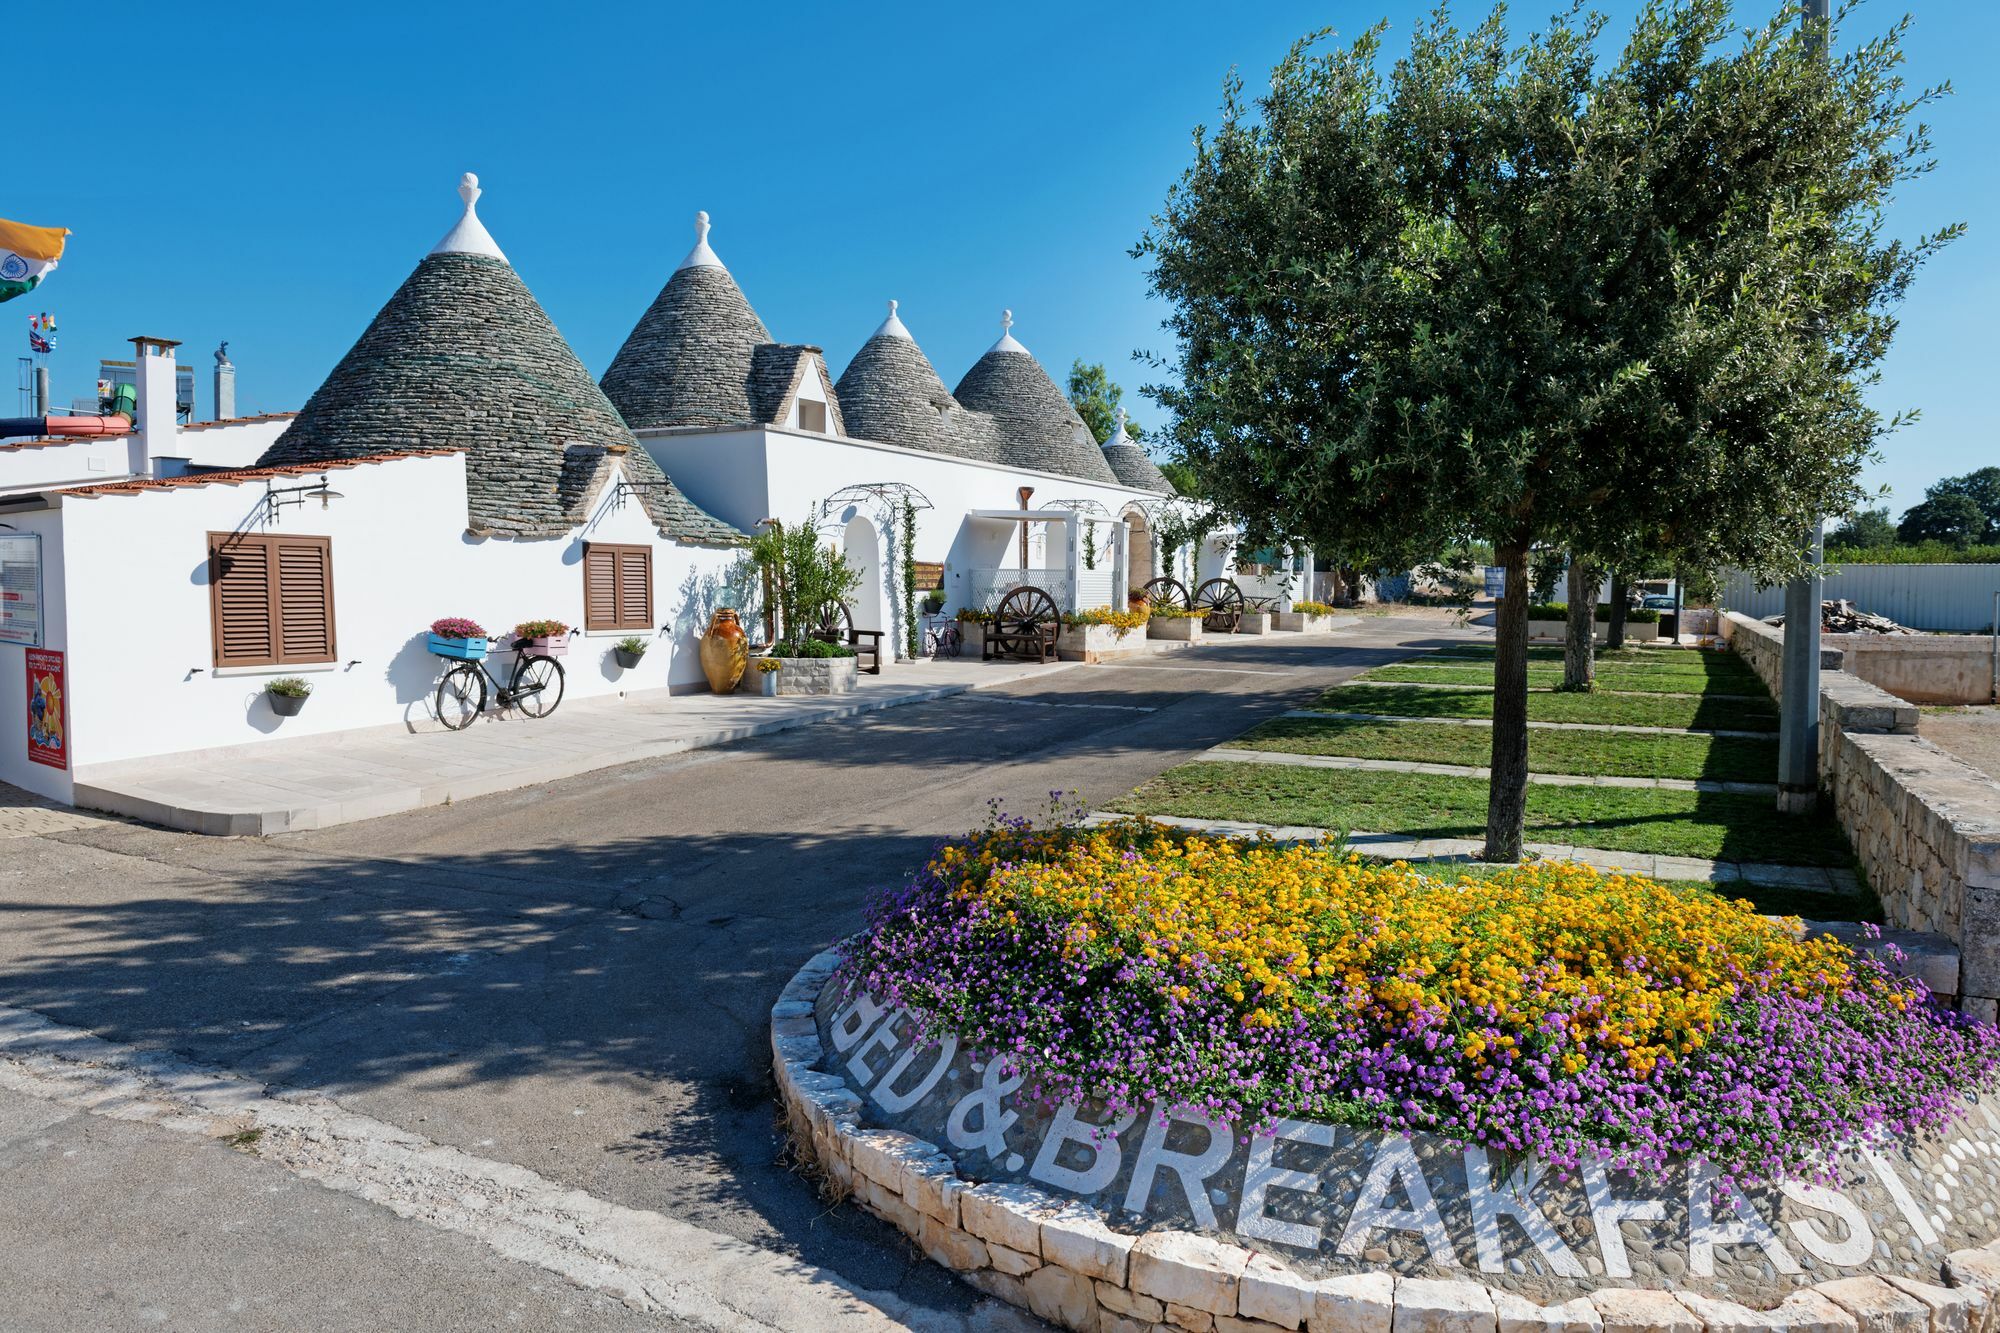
pixel 1222 600
pixel 1166 592
pixel 1024 611
pixel 834 622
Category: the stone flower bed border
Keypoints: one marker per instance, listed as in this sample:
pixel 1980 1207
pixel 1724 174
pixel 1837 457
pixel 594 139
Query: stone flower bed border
pixel 1058 1259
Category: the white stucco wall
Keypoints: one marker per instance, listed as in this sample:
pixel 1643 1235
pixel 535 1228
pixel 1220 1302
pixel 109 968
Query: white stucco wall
pixel 142 678
pixel 14 764
pixel 33 465
pixel 224 443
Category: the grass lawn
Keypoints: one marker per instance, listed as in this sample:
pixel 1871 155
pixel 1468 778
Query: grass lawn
pixel 1611 753
pixel 1715 826
pixel 1862 906
pixel 1629 710
pixel 1651 680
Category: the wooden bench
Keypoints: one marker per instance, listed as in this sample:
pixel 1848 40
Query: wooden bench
pixel 1025 625
pixel 836 625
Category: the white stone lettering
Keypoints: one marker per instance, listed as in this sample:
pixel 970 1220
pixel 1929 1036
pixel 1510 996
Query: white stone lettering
pixel 851 1022
pixel 1192 1168
pixel 883 1038
pixel 1607 1211
pixel 1926 1233
pixel 1515 1198
pixel 1860 1242
pixel 885 1093
pixel 1261 1175
pixel 1396 1162
pixel 989 1099
pixel 1747 1228
pixel 1100 1140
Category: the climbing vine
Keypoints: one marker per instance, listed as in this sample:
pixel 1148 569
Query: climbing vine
pixel 911 639
pixel 1090 543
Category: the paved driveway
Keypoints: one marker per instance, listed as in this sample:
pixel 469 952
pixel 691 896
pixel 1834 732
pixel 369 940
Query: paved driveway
pixel 572 979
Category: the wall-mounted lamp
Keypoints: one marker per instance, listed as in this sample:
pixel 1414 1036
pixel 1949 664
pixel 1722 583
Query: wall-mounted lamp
pixel 277 497
pixel 624 487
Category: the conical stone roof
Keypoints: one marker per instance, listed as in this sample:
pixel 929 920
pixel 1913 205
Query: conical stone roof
pixel 890 392
pixel 464 357
pixel 1131 464
pixel 1037 426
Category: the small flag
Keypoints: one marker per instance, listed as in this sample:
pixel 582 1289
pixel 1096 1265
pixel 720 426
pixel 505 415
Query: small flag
pixel 42 333
pixel 27 255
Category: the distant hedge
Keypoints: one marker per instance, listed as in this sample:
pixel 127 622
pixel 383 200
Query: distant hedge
pixel 1913 553
pixel 1560 611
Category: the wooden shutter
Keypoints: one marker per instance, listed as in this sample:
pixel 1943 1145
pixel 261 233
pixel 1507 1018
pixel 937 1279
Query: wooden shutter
pixel 305 599
pixel 243 621
pixel 600 587
pixel 635 588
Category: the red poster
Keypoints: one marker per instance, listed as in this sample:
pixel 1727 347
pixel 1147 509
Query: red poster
pixel 48 723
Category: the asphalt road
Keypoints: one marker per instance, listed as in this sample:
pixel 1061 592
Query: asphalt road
pixel 574 979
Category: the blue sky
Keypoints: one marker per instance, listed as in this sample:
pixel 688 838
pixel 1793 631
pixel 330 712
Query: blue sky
pixel 269 174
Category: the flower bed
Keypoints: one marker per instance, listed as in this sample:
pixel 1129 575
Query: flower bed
pixel 1548 1010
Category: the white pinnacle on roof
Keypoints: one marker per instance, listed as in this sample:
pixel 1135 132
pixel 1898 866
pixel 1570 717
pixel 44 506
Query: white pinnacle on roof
pixel 1007 343
pixel 701 256
pixel 892 327
pixel 469 236
pixel 1118 435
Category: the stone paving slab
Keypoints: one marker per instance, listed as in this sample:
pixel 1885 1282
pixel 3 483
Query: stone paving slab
pixel 1396 847
pixel 1223 754
pixel 26 815
pixel 1548 726
pixel 318 782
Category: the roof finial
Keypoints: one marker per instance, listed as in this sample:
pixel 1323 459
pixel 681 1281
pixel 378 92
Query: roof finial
pixel 1007 342
pixel 701 256
pixel 1118 427
pixel 469 236
pixel 892 327
pixel 1006 321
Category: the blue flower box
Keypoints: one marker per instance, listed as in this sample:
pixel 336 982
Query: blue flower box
pixel 465 650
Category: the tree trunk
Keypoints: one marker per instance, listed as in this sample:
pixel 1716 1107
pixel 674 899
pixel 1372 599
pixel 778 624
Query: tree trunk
pixel 1507 790
pixel 1579 639
pixel 1614 634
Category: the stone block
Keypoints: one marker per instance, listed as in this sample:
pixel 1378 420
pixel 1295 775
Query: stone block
pixel 1876 1306
pixel 1011 1262
pixel 998 1214
pixel 1720 1316
pixel 1181 1268
pixel 1274 1293
pixel 1228 1324
pixel 879 1155
pixel 1519 1315
pixel 1629 1310
pixel 1443 1305
pixel 947 1245
pixel 1353 1303
pixel 1977 1270
pixel 1118 1323
pixel 1000 1287
pixel 1811 1312
pixel 1077 1238
pixel 888 1205
pixel 932 1187
pixel 1130 1304
pixel 1189 1320
pixel 1065 1299
pixel 1953 1310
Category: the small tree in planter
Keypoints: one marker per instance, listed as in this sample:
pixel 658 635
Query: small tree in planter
pixel 288 694
pixel 629 650
pixel 549 637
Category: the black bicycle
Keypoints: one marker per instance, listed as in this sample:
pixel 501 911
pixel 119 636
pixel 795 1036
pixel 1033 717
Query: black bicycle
pixel 535 687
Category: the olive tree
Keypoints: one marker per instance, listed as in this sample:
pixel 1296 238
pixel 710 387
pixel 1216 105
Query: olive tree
pixel 1625 305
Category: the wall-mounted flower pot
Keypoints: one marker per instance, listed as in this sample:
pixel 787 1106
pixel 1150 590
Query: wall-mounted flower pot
pixel 286 705
pixel 627 659
pixel 465 650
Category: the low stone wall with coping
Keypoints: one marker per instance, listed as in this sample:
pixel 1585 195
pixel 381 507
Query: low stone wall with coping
pixel 1058 1258
pixel 1924 824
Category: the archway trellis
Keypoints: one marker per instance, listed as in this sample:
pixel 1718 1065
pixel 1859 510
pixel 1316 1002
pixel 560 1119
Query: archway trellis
pixel 895 505
pixel 1090 510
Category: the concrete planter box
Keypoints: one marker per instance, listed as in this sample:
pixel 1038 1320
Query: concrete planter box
pixel 1298 622
pixel 1254 622
pixel 971 639
pixel 803 675
pixel 1090 643
pixel 1175 629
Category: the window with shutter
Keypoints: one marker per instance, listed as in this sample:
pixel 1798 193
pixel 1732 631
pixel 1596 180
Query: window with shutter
pixel 617 587
pixel 270 599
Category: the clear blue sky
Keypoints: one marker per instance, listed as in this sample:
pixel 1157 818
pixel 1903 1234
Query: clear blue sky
pixel 269 175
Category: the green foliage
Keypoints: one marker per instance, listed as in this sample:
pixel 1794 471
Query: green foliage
pixel 810 648
pixel 1095 399
pixel 912 642
pixel 1865 528
pixel 1958 511
pixel 1560 610
pixel 632 643
pixel 1179 475
pixel 1922 553
pixel 805 575
pixel 291 687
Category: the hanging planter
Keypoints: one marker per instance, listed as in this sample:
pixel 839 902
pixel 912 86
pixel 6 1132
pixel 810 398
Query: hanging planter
pixel 288 694
pixel 628 651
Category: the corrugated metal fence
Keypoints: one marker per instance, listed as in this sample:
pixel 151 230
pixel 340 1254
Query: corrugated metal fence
pixel 1933 597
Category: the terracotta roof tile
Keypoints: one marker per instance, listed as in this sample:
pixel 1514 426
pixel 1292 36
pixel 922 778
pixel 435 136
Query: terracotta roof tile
pixel 238 476
pixel 240 421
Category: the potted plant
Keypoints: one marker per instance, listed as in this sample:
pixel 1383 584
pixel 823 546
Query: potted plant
pixel 629 650
pixel 767 676
pixel 456 636
pixel 287 694
pixel 548 637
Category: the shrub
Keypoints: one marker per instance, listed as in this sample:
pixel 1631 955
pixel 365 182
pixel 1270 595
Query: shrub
pixel 1122 621
pixel 291 687
pixel 632 643
pixel 1638 615
pixel 972 615
pixel 540 629
pixel 457 627
pixel 1312 608
pixel 810 648
pixel 1913 553
pixel 1549 1009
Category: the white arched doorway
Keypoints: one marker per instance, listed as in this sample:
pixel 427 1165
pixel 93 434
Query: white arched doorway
pixel 861 543
pixel 1140 558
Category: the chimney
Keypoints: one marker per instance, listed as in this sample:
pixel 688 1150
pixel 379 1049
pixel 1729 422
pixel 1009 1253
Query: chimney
pixel 225 385
pixel 153 362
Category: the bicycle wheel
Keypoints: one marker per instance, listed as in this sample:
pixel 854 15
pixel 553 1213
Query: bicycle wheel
pixel 536 686
pixel 461 695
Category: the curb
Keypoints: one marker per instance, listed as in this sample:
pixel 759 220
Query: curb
pixel 1058 1259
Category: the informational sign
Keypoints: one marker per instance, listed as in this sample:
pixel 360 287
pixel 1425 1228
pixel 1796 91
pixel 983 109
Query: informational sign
pixel 21 588
pixel 48 701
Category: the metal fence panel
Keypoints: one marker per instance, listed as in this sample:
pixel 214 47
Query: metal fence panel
pixel 1957 598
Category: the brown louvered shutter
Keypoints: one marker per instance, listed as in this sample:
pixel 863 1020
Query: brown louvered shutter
pixel 242 618
pixel 635 588
pixel 600 587
pixel 305 599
